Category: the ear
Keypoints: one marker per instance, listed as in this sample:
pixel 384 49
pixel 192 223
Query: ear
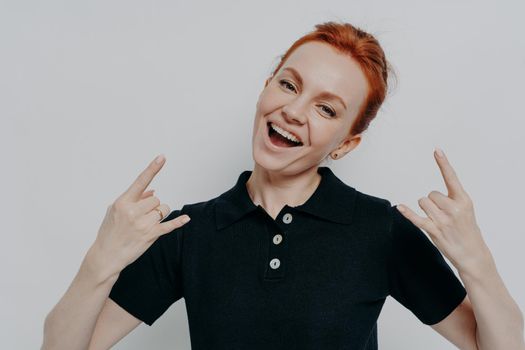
pixel 348 144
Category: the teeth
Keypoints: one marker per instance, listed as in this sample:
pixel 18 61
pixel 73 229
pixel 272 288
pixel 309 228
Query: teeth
pixel 285 133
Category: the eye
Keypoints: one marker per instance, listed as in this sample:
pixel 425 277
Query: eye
pixel 331 111
pixel 286 84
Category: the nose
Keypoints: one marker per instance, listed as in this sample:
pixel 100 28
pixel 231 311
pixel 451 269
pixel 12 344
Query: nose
pixel 294 111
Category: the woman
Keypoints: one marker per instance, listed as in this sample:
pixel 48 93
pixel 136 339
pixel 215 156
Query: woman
pixel 291 257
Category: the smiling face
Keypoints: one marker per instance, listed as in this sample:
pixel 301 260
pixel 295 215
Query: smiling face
pixel 301 99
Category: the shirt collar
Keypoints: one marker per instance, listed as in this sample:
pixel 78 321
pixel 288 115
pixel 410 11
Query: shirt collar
pixel 332 200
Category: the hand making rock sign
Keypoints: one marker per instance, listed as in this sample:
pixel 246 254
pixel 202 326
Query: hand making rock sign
pixel 451 222
pixel 132 223
pixel 488 317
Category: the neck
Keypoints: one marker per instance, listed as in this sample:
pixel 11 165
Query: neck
pixel 272 190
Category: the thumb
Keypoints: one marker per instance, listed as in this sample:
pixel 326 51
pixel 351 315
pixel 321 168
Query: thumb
pixel 421 222
pixel 171 225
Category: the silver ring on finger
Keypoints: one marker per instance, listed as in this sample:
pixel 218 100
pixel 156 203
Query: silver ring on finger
pixel 160 213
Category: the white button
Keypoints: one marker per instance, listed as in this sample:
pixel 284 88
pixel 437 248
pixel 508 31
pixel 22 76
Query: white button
pixel 287 218
pixel 277 239
pixel 274 264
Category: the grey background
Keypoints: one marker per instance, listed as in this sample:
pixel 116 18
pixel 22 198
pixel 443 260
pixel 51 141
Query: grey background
pixel 91 91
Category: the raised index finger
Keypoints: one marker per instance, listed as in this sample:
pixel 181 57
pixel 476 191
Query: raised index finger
pixel 134 192
pixel 452 182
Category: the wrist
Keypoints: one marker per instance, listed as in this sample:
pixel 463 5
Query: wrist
pixel 477 268
pixel 97 268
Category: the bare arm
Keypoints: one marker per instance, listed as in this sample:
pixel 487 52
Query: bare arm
pixel 85 318
pixel 459 327
pixel 489 318
pixel 498 317
pixel 84 314
pixel 113 324
pixel 70 324
pixel 492 320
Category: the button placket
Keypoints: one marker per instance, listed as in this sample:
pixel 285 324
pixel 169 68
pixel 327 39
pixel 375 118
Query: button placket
pixel 278 247
pixel 287 218
pixel 276 253
pixel 275 263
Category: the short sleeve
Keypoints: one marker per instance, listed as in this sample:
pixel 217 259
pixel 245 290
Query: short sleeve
pixel 148 286
pixel 419 277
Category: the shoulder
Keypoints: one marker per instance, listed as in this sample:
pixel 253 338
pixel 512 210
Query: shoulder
pixel 372 206
pixel 369 199
pixel 201 208
pixel 385 215
pixel 372 215
pixel 387 224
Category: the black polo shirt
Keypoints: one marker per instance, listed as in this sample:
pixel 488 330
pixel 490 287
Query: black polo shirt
pixel 316 277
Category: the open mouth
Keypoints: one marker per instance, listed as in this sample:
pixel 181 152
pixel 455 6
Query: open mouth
pixel 280 140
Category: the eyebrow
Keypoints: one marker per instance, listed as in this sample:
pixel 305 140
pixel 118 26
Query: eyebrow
pixel 324 94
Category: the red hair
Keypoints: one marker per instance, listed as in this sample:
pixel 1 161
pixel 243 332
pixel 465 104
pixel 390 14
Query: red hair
pixel 363 48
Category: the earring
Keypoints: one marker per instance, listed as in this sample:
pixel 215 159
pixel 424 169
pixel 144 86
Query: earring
pixel 335 156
